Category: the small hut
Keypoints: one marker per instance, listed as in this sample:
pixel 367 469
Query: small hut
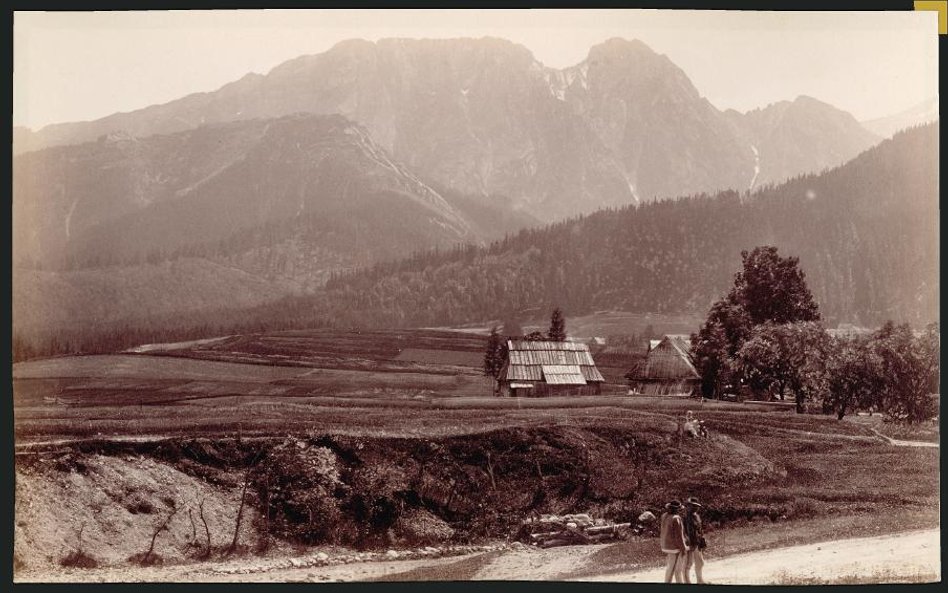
pixel 544 368
pixel 668 369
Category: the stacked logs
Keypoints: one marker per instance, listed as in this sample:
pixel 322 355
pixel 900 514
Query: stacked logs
pixel 561 530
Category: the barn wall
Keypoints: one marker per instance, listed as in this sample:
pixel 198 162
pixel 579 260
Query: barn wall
pixel 545 390
pixel 668 387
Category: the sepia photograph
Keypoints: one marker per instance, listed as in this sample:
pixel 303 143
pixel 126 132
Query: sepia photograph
pixel 516 295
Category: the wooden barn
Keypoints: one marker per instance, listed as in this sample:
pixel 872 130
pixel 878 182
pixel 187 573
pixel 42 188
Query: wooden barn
pixel 668 369
pixel 542 368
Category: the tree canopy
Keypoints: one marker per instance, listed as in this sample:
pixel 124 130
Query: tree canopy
pixel 557 331
pixel 910 367
pixel 854 376
pixel 785 357
pixel 769 289
pixel 495 354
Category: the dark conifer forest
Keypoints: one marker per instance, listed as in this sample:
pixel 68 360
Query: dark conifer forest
pixel 866 234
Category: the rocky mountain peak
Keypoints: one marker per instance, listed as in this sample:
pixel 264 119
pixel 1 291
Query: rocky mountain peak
pixel 485 117
pixel 620 47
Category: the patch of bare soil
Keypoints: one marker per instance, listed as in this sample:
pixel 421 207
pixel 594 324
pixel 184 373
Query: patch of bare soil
pixel 119 503
pixel 525 563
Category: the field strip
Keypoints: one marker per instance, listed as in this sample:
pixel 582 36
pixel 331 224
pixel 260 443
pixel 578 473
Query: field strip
pixel 900 443
pixel 895 555
pixel 175 345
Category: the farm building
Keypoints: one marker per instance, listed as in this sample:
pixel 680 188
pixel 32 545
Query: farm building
pixel 540 368
pixel 668 369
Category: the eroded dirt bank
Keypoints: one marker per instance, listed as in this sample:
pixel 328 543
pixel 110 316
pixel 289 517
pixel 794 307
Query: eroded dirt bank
pixel 107 500
pixel 317 504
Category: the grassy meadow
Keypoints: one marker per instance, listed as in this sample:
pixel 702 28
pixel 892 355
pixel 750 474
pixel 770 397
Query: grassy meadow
pixel 769 477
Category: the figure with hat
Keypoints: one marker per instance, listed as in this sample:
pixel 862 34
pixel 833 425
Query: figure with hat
pixel 672 538
pixel 694 535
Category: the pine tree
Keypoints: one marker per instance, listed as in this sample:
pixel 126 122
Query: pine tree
pixel 495 355
pixel 557 331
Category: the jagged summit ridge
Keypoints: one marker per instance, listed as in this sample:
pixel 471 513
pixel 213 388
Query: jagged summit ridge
pixel 485 117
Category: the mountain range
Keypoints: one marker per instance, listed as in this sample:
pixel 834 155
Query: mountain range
pixel 484 117
pixel 308 187
pixel 271 186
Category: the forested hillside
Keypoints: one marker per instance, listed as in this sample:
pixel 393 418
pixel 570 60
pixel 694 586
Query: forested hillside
pixel 866 234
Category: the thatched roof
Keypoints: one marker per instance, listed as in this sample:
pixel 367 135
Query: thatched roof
pixel 670 359
pixel 554 363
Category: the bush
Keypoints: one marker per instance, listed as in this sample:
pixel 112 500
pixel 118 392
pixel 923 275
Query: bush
pixel 77 559
pixel 138 505
pixel 146 559
pixel 298 488
pixel 803 508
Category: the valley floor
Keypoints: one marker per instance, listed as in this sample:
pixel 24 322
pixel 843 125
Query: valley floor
pixel 109 446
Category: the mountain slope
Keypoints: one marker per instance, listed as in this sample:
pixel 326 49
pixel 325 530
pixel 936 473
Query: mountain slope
pixel 866 234
pixel 669 140
pixel 226 188
pixel 484 117
pixel 923 113
pixel 804 135
pixel 235 215
pixel 90 300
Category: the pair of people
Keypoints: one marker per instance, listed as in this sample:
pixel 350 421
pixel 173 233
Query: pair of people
pixel 682 540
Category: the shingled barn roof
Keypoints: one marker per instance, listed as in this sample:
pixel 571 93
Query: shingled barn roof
pixel 555 363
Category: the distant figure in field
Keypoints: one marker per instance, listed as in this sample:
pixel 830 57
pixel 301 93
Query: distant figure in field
pixel 672 538
pixel 694 534
pixel 694 427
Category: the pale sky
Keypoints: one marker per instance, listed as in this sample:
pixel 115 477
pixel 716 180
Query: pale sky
pixel 72 66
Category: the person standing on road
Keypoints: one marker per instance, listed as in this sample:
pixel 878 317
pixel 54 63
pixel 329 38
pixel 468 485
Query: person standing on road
pixel 694 534
pixel 672 539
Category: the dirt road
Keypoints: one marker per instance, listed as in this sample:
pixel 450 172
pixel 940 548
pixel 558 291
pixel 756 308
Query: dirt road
pixel 891 557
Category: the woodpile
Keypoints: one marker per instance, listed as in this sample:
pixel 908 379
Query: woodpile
pixel 561 530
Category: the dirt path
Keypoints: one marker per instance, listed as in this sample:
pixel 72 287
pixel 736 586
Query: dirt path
pixel 534 564
pixel 890 557
pixel 899 443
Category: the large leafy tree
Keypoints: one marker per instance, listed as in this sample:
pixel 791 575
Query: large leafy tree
pixel 854 376
pixel 785 357
pixel 910 368
pixel 768 289
pixel 717 342
pixel 773 288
